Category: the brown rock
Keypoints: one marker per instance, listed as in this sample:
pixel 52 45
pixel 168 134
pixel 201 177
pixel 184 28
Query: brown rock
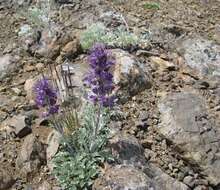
pixel 45 186
pixel 28 87
pixel 71 49
pixel 161 63
pixel 31 156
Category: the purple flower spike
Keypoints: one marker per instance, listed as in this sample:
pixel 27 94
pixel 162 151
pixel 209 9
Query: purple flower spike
pixel 99 78
pixel 46 96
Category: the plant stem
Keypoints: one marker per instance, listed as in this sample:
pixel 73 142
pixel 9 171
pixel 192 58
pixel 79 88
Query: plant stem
pixel 59 129
pixel 98 121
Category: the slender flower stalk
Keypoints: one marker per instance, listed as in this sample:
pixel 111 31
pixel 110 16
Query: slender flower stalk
pixel 46 97
pixel 100 80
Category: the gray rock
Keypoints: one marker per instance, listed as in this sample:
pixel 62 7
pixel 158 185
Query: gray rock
pixel 131 154
pixel 44 186
pixel 189 180
pixel 31 156
pixel 77 72
pixel 201 187
pixel 164 180
pixel 20 125
pixel 127 177
pixel 41 43
pixel 111 19
pixel 53 142
pixel 4 101
pixel 7 65
pixel 82 19
pixel 124 178
pixel 131 76
pixel 184 122
pixel 23 2
pixel 17 91
pixel 180 176
pixel 6 180
pixel 202 55
pixel 127 149
pixel 64 1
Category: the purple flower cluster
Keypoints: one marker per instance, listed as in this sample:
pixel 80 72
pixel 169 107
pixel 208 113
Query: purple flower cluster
pixel 46 96
pixel 99 78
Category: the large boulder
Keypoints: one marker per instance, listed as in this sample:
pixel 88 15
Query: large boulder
pixel 31 156
pixel 133 172
pixel 184 121
pixel 129 74
pixel 123 178
pixel 202 55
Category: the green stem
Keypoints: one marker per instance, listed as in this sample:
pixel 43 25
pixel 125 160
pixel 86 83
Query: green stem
pixel 59 129
pixel 98 121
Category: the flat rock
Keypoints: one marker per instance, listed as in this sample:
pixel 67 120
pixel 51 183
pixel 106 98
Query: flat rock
pixel 184 122
pixel 164 180
pixel 19 124
pixel 202 55
pixel 69 78
pixel 161 63
pixel 53 142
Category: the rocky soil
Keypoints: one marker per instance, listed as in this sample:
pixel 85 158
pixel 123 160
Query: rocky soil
pixel 167 135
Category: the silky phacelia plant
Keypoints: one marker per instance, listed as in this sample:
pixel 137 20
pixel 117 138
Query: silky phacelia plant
pixel 46 96
pixel 99 78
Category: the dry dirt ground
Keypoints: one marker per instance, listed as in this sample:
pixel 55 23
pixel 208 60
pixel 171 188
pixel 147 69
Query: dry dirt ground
pixel 173 20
